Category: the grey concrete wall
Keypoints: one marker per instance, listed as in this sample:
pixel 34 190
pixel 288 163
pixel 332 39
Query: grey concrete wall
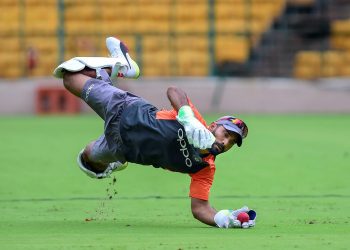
pixel 233 95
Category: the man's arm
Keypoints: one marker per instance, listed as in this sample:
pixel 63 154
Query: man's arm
pixel 226 218
pixel 197 134
pixel 177 97
pixel 202 211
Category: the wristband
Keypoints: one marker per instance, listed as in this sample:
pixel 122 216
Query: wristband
pixel 222 218
pixel 185 112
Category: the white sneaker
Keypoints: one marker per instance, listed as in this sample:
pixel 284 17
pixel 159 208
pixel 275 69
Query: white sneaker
pixel 118 49
pixel 114 166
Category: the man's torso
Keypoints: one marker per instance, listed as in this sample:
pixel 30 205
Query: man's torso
pixel 153 137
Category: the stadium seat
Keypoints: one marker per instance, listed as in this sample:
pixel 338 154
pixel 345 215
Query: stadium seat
pixel 344 69
pixel 191 10
pixel 341 27
pixel 225 10
pixel 334 64
pixel 307 65
pixel 156 56
pixel 156 65
pixel 81 12
pixel 88 45
pixel 156 11
pixel 40 17
pixel 230 25
pixel 192 63
pixel 332 58
pixel 9 20
pixel 315 64
pixel 155 43
pixel 10 58
pixel 11 43
pixel 306 72
pixel 9 63
pixel 197 43
pixel 192 56
pixel 155 26
pixel 340 38
pixel 156 71
pixel 309 58
pixel 338 41
pixel 9 3
pixel 231 48
pixel 191 26
pixel 11 72
pixel 113 27
pixel 330 71
pixel 346 56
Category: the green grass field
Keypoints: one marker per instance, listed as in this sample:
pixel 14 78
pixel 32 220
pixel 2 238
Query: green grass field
pixel 292 169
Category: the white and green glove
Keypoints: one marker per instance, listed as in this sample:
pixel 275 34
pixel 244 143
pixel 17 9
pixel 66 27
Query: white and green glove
pixel 228 218
pixel 197 134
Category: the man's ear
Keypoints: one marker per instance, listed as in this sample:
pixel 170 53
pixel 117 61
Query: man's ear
pixel 212 126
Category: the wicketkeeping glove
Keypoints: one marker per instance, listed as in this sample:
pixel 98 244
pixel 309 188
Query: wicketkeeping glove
pixel 197 134
pixel 228 218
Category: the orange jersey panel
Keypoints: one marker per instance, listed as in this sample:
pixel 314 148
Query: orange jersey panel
pixel 202 181
pixel 166 114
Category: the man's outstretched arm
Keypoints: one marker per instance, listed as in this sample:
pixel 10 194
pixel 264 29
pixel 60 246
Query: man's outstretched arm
pixel 202 211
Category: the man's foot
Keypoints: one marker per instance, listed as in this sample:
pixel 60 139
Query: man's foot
pixel 118 49
pixel 114 166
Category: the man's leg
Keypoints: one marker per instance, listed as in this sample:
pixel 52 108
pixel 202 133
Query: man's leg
pixel 120 62
pixel 74 81
pixel 97 160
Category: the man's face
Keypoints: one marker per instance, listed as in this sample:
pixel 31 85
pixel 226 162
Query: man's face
pixel 225 139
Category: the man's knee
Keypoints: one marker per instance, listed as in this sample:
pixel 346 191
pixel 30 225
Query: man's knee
pixel 88 157
pixel 87 151
pixel 67 79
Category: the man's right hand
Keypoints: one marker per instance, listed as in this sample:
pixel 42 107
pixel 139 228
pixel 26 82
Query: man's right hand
pixel 197 134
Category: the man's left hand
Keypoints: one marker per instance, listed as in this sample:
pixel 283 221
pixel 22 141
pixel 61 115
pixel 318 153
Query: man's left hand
pixel 228 218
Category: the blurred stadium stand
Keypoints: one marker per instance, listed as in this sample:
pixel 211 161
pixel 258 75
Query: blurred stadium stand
pixel 306 39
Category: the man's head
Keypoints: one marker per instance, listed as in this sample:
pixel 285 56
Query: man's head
pixel 228 131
